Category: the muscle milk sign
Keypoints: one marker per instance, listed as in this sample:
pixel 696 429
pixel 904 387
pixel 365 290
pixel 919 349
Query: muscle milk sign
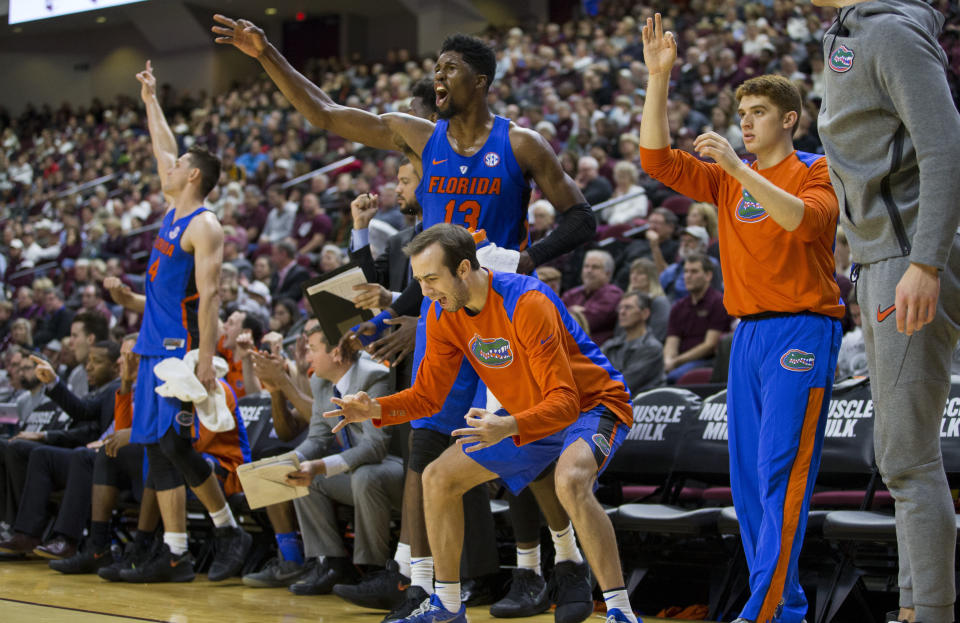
pixel 950 426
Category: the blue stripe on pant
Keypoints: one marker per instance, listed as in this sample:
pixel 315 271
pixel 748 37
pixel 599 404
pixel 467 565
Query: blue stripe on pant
pixel 781 379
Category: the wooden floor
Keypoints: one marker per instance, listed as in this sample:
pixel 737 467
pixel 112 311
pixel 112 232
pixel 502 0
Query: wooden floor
pixel 30 591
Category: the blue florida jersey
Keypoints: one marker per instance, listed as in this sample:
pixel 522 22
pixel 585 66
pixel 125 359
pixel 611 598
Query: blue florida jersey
pixel 169 327
pixel 484 191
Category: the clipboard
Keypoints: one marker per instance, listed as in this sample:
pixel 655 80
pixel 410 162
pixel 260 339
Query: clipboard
pixel 331 298
pixel 264 481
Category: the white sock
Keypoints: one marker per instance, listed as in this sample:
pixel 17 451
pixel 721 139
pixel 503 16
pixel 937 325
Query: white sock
pixel 421 573
pixel 449 594
pixel 529 559
pixel 565 545
pixel 223 517
pixel 176 541
pixel 402 558
pixel 618 598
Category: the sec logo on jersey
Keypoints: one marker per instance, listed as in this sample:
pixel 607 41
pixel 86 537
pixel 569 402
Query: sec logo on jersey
pixel 491 159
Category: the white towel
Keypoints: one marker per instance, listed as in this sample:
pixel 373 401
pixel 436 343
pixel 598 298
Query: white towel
pixel 496 258
pixel 180 381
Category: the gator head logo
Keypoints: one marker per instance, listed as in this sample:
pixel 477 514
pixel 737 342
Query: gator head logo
pixel 493 353
pixel 842 60
pixel 749 209
pixel 796 360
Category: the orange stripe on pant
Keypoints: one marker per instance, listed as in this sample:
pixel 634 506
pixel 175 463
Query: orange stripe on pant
pixel 793 503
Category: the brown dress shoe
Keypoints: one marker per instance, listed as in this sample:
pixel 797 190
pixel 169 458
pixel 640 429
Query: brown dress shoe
pixel 57 549
pixel 20 543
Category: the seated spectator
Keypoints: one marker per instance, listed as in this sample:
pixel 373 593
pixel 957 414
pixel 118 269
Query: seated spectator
pixel 362 475
pixel 595 188
pixel 285 315
pixel 658 243
pixel 280 218
pixel 263 270
pixel 91 300
pixel 542 217
pixel 597 298
pixel 626 176
pixel 16 265
pixel 644 279
pixel 331 258
pixel 704 215
pixel 697 321
pixel 289 276
pixel 389 210
pixel 550 276
pixel 55 323
pixel 693 241
pixel 233 255
pixel 852 357
pixel 56 464
pixel 253 158
pixel 312 226
pixel 21 333
pixel 634 351
pixel 256 299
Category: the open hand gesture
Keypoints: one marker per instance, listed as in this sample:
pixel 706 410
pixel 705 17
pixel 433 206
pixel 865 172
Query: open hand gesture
pixel 241 34
pixel 354 408
pixel 712 145
pixel 148 83
pixel 484 429
pixel 659 49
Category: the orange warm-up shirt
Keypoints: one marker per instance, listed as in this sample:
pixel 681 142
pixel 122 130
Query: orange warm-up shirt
pixel 234 374
pixel 230 448
pixel 765 267
pixel 531 354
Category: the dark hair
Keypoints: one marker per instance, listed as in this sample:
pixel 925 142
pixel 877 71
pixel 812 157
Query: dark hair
pixel 287 247
pixel 255 323
pixel 703 260
pixel 477 54
pixel 668 215
pixel 94 324
pixel 112 348
pixel 456 242
pixel 644 300
pixel 781 92
pixel 56 291
pixel 291 307
pixel 209 166
pixel 423 90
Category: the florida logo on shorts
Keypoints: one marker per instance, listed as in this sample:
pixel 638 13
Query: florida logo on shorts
pixel 842 60
pixel 491 159
pixel 493 353
pixel 601 442
pixel 185 419
pixel 797 360
pixel 749 209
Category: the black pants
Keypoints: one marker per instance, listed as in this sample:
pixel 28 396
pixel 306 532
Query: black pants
pixel 53 469
pixel 14 454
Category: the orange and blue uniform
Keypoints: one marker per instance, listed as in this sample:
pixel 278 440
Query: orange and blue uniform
pixel 782 362
pixel 538 363
pixel 234 376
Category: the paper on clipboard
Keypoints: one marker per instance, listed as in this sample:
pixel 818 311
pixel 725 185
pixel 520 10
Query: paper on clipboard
pixel 331 298
pixel 264 481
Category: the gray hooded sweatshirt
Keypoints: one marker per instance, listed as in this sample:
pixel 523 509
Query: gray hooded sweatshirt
pixel 891 132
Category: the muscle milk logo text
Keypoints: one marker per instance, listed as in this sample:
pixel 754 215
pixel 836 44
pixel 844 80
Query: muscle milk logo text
pixel 715 415
pixel 843 416
pixel 651 421
pixel 250 414
pixel 950 426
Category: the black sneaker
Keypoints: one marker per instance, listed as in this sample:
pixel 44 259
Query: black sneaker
pixel 230 552
pixel 322 578
pixel 276 573
pixel 571 591
pixel 163 567
pixel 482 591
pixel 528 596
pixel 380 590
pixel 134 555
pixel 87 560
pixel 412 598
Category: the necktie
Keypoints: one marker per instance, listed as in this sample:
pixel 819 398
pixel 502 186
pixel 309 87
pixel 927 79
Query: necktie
pixel 343 436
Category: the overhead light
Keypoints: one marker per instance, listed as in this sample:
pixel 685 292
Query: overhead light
pixel 271 11
pixel 101 19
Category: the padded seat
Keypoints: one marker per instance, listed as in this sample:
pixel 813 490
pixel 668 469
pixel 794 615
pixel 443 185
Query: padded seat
pixel 666 519
pixel 860 526
pixel 850 499
pixel 728 524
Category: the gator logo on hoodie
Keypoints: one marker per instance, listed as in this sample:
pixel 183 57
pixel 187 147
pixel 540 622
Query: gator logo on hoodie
pixel 842 60
pixel 493 353
pixel 749 209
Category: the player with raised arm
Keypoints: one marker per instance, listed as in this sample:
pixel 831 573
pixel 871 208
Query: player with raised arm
pixel 180 310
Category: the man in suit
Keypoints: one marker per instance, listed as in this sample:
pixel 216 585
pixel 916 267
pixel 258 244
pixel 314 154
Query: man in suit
pixel 363 474
pixel 289 275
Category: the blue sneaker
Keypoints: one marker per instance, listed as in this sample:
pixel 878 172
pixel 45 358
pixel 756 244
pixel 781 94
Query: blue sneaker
pixel 615 615
pixel 432 611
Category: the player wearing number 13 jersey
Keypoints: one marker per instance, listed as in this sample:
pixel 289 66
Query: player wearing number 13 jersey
pixel 485 191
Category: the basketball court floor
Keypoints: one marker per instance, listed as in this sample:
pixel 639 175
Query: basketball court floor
pixel 30 591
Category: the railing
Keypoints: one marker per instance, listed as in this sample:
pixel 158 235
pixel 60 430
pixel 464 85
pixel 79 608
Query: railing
pixel 330 167
pixel 82 187
pixel 612 202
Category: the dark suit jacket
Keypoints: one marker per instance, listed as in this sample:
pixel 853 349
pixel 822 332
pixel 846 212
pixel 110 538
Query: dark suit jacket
pixel 91 414
pixel 291 286
pixel 55 326
pixel 392 268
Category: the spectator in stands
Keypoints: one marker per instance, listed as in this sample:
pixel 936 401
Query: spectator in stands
pixel 693 241
pixel 550 276
pixel 55 323
pixel 263 270
pixel 16 263
pixel 852 357
pixel 626 177
pixel 696 321
pixel 658 243
pixel 331 258
pixel 21 333
pixel 312 226
pixel 30 393
pixel 389 211
pixel 705 215
pixel 644 279
pixel 595 188
pixel 91 300
pixel 285 315
pixel 257 299
pixel 49 467
pixel 634 350
pixel 86 330
pixel 542 217
pixel 597 298
pixel 280 218
pixel 233 248
pixel 253 158
pixel 362 475
pixel 289 276
pixel 841 253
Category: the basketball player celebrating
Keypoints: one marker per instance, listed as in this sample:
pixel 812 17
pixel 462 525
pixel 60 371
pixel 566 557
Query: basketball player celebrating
pixel 562 396
pixel 180 311
pixel 778 219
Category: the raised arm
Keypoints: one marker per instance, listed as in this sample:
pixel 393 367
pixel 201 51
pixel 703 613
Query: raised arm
pixel 125 297
pixel 576 223
pixel 388 131
pixel 659 54
pixel 205 236
pixel 164 145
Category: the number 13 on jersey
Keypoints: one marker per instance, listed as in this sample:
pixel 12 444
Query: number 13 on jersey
pixel 468 211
